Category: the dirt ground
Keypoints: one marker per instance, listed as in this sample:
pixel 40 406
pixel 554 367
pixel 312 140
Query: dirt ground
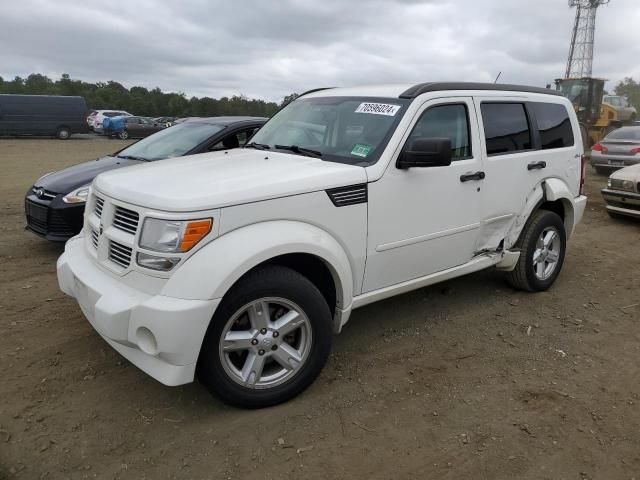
pixel 466 379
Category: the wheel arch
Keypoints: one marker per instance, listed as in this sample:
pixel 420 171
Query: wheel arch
pixel 551 194
pixel 212 271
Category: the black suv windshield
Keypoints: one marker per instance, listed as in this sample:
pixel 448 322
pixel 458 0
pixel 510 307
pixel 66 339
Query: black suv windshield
pixel 352 130
pixel 171 142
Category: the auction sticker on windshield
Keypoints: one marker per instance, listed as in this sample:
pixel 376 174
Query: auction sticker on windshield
pixel 361 150
pixel 378 109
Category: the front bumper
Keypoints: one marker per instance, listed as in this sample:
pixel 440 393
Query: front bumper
pixel 160 335
pixel 52 219
pixel 622 202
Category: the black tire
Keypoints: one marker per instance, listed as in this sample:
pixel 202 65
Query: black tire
pixel 63 133
pixel 123 135
pixel 524 277
pixel 602 171
pixel 268 281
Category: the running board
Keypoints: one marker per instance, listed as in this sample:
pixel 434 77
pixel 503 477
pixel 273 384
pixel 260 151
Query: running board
pixel 478 263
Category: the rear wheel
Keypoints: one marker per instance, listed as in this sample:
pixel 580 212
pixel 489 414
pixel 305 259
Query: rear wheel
pixel 542 245
pixel 123 135
pixel 268 341
pixel 63 133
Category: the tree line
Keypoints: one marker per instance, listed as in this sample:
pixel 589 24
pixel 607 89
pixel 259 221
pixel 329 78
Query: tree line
pixel 140 100
pixel 155 102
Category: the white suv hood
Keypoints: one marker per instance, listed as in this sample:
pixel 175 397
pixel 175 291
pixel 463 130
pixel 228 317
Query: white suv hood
pixel 220 179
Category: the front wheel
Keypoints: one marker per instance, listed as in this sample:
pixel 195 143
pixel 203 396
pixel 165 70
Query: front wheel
pixel 542 247
pixel 268 341
pixel 63 133
pixel 123 135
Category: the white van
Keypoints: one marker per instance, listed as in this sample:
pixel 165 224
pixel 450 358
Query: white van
pixel 239 265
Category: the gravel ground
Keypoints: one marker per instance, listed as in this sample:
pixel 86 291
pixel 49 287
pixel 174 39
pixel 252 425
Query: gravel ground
pixel 466 379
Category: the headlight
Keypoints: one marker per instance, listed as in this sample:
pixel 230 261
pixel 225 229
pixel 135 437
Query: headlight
pixel 79 195
pixel 621 184
pixel 173 236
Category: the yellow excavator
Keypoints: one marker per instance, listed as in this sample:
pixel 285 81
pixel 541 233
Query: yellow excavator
pixel 596 118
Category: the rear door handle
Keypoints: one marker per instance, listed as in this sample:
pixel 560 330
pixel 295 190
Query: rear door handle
pixel 537 166
pixel 472 176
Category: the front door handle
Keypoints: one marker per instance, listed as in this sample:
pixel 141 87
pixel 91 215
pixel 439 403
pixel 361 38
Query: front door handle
pixel 537 165
pixel 472 176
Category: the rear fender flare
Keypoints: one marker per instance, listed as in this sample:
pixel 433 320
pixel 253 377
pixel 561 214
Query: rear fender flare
pixel 549 190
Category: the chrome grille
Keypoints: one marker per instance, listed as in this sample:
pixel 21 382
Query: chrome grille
pixel 94 238
pixel 43 194
pixel 126 220
pixel 119 254
pixel 99 205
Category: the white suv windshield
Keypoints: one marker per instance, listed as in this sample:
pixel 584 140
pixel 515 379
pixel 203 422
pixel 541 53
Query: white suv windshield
pixel 171 142
pixel 352 130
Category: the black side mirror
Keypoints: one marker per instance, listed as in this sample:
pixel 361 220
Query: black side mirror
pixel 425 152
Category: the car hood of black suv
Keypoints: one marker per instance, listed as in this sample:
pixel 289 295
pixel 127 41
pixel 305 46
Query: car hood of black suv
pixel 70 178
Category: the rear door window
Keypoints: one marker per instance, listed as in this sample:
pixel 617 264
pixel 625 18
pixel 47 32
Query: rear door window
pixel 554 125
pixel 506 128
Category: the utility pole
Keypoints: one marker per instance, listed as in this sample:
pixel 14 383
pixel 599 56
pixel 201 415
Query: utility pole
pixel 580 63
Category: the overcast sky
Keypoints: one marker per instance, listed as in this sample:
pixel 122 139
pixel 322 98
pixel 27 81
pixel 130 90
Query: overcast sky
pixel 269 48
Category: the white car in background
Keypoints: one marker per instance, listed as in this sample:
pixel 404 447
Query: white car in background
pixel 95 121
pixel 623 192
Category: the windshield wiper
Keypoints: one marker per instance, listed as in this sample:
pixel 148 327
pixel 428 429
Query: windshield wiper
pixel 300 150
pixel 133 157
pixel 257 146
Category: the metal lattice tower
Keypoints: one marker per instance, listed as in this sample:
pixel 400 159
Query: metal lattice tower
pixel 580 61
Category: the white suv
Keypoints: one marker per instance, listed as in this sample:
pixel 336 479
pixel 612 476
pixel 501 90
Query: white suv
pixel 241 264
pixel 95 121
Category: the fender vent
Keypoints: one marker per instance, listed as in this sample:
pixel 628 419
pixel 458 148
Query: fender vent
pixel 343 196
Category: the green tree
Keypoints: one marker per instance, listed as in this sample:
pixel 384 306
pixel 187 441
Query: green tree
pixel 137 100
pixel 288 99
pixel 630 89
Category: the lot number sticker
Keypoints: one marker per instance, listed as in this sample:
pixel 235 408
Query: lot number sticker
pixel 378 109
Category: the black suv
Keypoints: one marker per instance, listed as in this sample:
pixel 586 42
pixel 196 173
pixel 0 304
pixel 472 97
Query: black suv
pixel 54 206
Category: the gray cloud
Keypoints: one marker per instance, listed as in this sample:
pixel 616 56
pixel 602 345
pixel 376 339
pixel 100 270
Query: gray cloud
pixel 270 48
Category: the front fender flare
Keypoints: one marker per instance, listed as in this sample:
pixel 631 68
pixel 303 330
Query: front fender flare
pixel 211 271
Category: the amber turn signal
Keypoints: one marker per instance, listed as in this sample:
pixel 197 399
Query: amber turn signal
pixel 194 232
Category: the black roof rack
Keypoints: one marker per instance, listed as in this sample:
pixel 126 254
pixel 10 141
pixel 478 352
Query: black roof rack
pixel 314 90
pixel 421 88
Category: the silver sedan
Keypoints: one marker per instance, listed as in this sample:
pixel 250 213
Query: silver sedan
pixel 619 149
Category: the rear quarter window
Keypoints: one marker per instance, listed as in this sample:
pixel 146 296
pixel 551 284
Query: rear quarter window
pixel 554 125
pixel 506 128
